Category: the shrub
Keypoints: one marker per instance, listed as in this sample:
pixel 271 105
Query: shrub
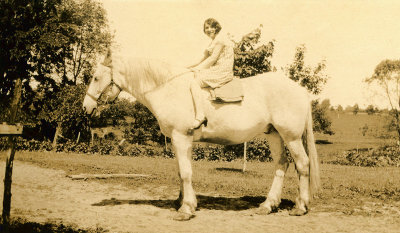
pixel 144 129
pixel 387 155
pixel 257 149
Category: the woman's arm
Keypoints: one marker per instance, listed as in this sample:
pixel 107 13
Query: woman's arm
pixel 205 56
pixel 210 60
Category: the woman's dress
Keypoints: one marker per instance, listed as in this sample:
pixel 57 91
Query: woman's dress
pixel 222 71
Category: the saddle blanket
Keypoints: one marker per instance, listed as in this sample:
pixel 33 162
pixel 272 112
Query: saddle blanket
pixel 229 92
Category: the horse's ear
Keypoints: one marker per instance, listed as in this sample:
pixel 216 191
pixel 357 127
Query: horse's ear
pixel 108 59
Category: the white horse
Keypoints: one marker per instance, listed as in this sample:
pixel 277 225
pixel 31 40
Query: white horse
pixel 272 103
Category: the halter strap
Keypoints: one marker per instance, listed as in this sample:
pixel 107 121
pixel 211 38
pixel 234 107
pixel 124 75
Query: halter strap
pixel 112 83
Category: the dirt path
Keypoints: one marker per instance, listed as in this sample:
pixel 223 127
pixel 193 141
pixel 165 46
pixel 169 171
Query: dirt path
pixel 44 195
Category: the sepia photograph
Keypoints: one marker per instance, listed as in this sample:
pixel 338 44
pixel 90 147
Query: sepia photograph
pixel 199 116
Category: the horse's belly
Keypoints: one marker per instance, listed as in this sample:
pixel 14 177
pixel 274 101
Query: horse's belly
pixel 231 126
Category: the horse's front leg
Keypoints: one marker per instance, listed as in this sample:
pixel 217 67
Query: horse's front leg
pixel 183 150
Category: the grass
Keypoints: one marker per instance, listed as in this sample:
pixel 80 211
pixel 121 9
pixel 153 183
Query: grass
pixel 345 188
pixel 348 135
pixel 19 225
pixel 222 185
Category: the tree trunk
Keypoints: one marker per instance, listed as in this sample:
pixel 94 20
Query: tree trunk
pixel 10 158
pixel 58 130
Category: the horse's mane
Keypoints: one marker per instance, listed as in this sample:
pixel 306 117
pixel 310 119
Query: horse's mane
pixel 145 74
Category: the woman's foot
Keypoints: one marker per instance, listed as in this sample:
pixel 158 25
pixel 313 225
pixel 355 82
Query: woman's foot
pixel 197 123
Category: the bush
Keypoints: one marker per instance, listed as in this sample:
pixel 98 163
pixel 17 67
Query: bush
pixel 26 145
pixel 144 129
pixel 387 155
pixel 257 149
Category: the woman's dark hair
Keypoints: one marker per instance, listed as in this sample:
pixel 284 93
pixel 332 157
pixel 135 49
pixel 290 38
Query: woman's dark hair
pixel 213 23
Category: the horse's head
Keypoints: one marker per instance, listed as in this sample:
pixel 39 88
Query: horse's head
pixel 102 88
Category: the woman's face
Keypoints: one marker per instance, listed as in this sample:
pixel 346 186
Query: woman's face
pixel 210 31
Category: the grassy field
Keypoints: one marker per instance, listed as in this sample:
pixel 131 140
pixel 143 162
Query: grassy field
pixel 345 188
pixel 354 191
pixel 348 135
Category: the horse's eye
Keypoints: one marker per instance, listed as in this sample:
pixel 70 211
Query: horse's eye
pixel 96 79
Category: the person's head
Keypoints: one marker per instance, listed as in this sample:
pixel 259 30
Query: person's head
pixel 211 27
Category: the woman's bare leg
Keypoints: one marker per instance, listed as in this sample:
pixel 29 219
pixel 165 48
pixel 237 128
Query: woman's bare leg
pixel 198 104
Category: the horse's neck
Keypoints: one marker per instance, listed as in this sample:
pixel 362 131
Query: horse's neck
pixel 144 75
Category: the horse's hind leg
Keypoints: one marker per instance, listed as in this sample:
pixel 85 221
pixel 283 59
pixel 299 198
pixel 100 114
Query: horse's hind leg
pixel 183 150
pixel 277 151
pixel 302 162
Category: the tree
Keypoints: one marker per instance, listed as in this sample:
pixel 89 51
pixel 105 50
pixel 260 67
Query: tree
pixel 19 23
pixel 53 43
pixel 86 33
pixel 313 79
pixel 356 109
pixel 145 128
pixel 339 108
pixel 115 113
pixel 387 77
pixel 322 123
pixel 42 38
pixel 326 103
pixel 65 113
pixel 250 61
pixel 370 110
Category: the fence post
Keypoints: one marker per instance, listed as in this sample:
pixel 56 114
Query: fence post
pixel 244 156
pixel 10 158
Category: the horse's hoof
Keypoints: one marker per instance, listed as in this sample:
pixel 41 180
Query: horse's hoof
pixel 177 203
pixel 297 212
pixel 183 216
pixel 262 210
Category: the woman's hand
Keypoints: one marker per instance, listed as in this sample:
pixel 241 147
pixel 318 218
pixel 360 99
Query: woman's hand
pixel 194 69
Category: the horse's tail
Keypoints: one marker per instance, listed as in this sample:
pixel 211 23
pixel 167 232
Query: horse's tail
pixel 314 177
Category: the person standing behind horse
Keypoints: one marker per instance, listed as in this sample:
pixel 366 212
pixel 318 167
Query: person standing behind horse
pixel 214 69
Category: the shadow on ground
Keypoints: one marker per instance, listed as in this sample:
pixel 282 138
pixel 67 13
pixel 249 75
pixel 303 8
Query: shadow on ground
pixel 204 202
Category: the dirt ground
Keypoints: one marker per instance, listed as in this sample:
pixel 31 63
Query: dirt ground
pixel 46 195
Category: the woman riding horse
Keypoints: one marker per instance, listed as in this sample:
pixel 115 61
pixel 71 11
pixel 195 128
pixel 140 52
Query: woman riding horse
pixel 214 69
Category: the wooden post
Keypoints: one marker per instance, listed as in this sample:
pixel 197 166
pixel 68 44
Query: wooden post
pixel 91 136
pixel 79 135
pixel 10 157
pixel 244 156
pixel 58 131
pixel 165 141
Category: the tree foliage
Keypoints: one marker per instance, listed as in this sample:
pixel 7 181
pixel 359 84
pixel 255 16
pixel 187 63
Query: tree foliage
pixel 250 61
pixel 41 39
pixel 20 22
pixel 356 109
pixel 312 78
pixel 65 108
pixel 115 114
pixel 387 77
pixel 370 110
pixel 145 128
pixel 50 45
pixel 322 122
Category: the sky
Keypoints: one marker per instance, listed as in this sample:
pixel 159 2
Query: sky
pixel 351 36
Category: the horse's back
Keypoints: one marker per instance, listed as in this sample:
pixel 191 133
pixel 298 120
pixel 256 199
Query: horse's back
pixel 282 98
pixel 269 99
